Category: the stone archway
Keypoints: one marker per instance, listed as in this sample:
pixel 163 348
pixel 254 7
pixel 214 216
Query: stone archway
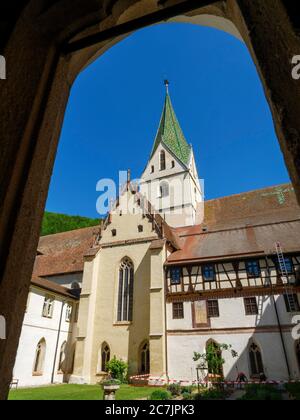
pixel 34 97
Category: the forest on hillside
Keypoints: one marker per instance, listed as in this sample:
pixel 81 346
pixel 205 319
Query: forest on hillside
pixel 57 223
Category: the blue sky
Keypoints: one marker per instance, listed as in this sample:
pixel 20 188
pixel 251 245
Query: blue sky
pixel 116 103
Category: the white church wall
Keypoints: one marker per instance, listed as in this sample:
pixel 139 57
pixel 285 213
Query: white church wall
pixel 148 175
pixel 235 328
pixel 179 207
pixel 35 328
pixel 181 350
pixel 232 315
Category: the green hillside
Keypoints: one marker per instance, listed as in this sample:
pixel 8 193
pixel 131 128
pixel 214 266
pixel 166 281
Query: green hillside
pixel 56 223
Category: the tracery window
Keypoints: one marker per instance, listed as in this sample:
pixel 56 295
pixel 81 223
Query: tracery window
pixel 126 284
pixel 256 361
pixel 105 356
pixel 145 359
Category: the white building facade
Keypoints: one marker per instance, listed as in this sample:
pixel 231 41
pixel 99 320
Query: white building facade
pixel 47 343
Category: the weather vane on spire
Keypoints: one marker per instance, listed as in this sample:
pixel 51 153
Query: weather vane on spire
pixel 167 84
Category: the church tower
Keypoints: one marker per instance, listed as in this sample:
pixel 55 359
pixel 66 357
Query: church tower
pixel 170 181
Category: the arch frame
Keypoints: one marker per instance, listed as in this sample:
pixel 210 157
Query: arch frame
pixel 252 342
pixel 101 362
pixel 142 349
pixel 39 358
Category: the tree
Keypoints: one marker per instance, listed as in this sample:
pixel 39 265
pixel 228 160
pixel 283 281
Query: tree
pixel 117 369
pixel 212 360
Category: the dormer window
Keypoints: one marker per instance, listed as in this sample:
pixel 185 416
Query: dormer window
pixel 253 268
pixel 175 275
pixel 208 272
pixel 162 160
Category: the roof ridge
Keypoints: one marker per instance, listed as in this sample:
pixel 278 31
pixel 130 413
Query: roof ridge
pixel 71 231
pixel 228 229
pixel 250 192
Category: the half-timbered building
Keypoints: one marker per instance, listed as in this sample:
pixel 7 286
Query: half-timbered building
pixel 236 280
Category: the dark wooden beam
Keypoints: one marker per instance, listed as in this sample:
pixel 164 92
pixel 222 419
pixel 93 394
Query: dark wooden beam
pixel 135 24
pixel 229 293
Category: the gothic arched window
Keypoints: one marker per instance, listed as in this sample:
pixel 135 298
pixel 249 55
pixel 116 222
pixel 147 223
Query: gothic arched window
pixel 125 298
pixel 62 358
pixel 145 358
pixel 162 160
pixel 39 360
pixel 105 356
pixel 256 361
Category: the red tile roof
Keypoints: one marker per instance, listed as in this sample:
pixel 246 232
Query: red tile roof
pixel 244 224
pixel 64 252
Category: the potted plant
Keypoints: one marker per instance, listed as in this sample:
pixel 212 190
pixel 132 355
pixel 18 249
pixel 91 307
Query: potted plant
pixel 110 387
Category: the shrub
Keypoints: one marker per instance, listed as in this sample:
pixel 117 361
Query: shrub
pixel 159 395
pixel 211 394
pixel 262 393
pixel 187 389
pixel 187 396
pixel 117 369
pixel 109 382
pixel 175 390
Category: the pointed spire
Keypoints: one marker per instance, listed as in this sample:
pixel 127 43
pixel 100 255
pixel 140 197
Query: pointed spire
pixel 167 84
pixel 170 133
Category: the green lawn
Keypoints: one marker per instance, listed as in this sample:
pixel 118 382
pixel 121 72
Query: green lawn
pixel 77 392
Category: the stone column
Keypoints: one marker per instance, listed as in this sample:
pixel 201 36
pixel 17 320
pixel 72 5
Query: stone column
pixel 157 315
pixel 272 41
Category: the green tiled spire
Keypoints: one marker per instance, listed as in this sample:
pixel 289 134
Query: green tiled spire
pixel 170 133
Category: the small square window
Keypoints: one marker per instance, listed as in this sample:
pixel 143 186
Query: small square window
pixel 251 307
pixel 213 309
pixel 114 232
pixel 289 265
pixel 141 228
pixel 175 274
pixel 48 307
pixel 209 272
pixel 292 303
pixel 69 312
pixel 178 310
pixel 253 268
